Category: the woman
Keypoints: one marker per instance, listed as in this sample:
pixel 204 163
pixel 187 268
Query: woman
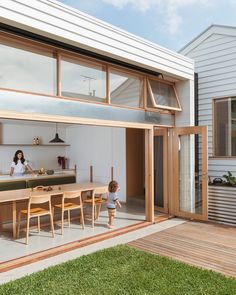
pixel 19 164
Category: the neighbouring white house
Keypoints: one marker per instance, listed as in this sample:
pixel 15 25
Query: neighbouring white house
pixel 214 54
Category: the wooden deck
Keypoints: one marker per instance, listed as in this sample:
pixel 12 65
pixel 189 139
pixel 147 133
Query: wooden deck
pixel 204 245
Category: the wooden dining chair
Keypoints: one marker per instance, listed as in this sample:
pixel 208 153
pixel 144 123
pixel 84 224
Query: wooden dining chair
pixel 37 211
pixel 96 201
pixel 70 201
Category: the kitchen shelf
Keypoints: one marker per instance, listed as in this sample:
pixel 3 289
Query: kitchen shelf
pixel 36 145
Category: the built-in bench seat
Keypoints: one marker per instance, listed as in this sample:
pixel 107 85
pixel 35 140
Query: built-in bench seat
pixel 21 184
pixel 12 185
pixel 50 181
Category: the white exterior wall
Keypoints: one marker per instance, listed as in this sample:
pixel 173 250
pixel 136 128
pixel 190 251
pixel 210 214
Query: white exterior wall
pixel 60 22
pixel 102 148
pixel 215 63
pixel 55 20
pixel 185 90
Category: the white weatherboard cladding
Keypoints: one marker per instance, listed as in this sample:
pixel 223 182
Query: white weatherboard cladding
pixel 215 62
pixel 214 53
pixel 57 21
pixel 185 90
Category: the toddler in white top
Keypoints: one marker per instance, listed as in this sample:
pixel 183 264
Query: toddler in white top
pixel 112 202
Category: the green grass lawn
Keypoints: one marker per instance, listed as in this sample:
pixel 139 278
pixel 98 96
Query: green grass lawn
pixel 122 270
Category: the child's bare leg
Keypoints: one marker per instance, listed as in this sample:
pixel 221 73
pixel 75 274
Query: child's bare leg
pixel 110 222
pixel 110 219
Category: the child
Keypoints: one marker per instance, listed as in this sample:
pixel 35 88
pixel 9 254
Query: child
pixel 112 201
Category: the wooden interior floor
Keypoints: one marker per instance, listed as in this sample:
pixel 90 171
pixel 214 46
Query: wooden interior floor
pixel 204 245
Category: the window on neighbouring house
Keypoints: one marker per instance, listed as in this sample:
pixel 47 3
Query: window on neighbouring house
pixel 27 68
pixel 125 89
pixel 83 80
pixel 225 127
pixel 162 95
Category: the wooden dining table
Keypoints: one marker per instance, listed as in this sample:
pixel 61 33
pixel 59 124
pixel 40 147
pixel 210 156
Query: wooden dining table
pixel 14 196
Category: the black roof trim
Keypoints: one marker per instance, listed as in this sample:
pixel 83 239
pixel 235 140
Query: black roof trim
pixel 45 40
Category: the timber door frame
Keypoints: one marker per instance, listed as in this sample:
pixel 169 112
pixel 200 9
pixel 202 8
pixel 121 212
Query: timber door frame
pixel 195 130
pixel 162 131
pixel 149 175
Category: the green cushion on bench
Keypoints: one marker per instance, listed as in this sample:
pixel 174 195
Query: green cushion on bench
pixel 51 181
pixel 12 185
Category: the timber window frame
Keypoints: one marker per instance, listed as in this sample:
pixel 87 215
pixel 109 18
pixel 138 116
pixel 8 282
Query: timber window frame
pixel 151 93
pixel 126 74
pixel 59 54
pixel 223 123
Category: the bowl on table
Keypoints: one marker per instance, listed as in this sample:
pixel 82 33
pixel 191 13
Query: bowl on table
pixel 50 172
pixel 38 188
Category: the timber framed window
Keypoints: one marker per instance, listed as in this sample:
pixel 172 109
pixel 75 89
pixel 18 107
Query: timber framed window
pixel 82 79
pixel 225 127
pixel 125 89
pixel 32 67
pixel 27 68
pixel 162 95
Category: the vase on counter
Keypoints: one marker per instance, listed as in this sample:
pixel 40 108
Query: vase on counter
pixel 62 162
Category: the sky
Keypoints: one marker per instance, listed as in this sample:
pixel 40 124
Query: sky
pixel 169 23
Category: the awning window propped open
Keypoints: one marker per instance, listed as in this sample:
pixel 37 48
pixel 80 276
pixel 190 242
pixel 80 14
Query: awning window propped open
pixel 162 95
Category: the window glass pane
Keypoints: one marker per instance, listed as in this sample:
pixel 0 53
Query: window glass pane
pixel 27 69
pixel 149 100
pixel 190 173
pixel 125 89
pixel 164 94
pixel 222 127
pixel 159 171
pixel 83 80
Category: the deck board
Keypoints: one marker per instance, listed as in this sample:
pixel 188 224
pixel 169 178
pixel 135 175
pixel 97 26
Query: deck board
pixel 204 245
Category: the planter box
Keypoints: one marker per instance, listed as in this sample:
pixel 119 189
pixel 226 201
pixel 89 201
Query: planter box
pixel 222 204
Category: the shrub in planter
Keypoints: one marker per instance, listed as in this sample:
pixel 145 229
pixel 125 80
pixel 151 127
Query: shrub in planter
pixel 230 179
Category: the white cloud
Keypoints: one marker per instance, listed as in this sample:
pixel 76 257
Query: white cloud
pixel 142 5
pixel 168 8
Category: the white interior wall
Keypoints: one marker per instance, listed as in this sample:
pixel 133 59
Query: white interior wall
pixel 100 147
pixel 22 132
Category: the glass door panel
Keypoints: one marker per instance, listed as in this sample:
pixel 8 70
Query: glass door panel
pixel 190 172
pixel 160 169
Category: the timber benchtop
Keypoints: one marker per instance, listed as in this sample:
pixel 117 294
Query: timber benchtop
pixel 25 177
